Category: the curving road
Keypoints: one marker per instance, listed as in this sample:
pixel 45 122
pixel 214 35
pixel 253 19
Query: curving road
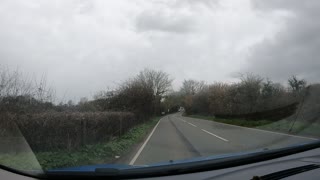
pixel 176 137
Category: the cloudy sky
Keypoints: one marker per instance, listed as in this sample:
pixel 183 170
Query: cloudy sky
pixel 84 46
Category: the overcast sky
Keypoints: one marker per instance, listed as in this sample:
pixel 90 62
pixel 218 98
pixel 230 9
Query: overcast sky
pixel 84 46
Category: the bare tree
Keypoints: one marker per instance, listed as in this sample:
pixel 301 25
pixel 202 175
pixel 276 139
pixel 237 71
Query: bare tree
pixel 4 81
pixel 295 84
pixel 159 81
pixel 15 83
pixel 19 94
pixel 12 84
pixel 42 92
pixel 192 87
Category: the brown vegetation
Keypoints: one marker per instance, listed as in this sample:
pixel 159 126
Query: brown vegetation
pixel 250 98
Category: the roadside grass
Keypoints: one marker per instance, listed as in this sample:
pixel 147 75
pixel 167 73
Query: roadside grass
pixel 299 127
pixel 238 122
pixel 88 155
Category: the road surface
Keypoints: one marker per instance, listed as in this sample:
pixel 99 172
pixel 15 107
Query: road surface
pixel 176 137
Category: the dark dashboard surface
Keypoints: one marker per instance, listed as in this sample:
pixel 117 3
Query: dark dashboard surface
pixel 260 169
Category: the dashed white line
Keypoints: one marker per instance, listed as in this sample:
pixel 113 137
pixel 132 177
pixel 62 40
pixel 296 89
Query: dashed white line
pixel 192 124
pixel 143 145
pixel 266 131
pixel 183 120
pixel 214 135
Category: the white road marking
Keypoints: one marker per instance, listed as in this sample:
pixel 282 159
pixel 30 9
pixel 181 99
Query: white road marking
pixel 214 135
pixel 143 145
pixel 266 131
pixel 261 130
pixel 182 120
pixel 192 124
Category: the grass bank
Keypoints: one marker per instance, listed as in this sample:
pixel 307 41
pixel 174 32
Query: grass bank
pixel 88 155
pixel 298 127
pixel 238 122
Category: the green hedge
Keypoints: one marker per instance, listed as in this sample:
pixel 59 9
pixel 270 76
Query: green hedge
pixel 66 130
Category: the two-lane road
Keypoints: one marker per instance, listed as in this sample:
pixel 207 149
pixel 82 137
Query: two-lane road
pixel 176 137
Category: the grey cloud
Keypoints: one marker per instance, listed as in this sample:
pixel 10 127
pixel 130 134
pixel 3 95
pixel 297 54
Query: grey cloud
pixel 294 50
pixel 173 16
pixel 160 21
pixel 294 5
pixel 84 47
pixel 192 3
pixel 85 6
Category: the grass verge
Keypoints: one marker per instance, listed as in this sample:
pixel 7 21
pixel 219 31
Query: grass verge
pixel 284 126
pixel 299 127
pixel 88 155
pixel 238 122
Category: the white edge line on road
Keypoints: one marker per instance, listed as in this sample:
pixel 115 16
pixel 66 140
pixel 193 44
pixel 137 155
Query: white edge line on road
pixel 143 145
pixel 192 124
pixel 266 131
pixel 214 135
pixel 182 120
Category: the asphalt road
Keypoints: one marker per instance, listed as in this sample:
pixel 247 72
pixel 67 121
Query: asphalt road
pixel 176 137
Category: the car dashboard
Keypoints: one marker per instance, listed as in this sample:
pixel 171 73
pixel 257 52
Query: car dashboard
pixel 305 165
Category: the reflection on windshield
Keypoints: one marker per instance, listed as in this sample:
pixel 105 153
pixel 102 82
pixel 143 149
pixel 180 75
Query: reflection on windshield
pixel 144 122
pixel 153 82
pixel 15 151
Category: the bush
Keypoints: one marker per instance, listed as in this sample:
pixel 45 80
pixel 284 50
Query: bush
pixel 132 97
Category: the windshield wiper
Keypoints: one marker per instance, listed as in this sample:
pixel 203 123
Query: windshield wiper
pixel 287 172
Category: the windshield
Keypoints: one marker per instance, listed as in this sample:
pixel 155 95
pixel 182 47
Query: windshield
pixel 139 83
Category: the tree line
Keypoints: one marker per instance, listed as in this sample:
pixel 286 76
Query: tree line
pixel 150 93
pixel 251 94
